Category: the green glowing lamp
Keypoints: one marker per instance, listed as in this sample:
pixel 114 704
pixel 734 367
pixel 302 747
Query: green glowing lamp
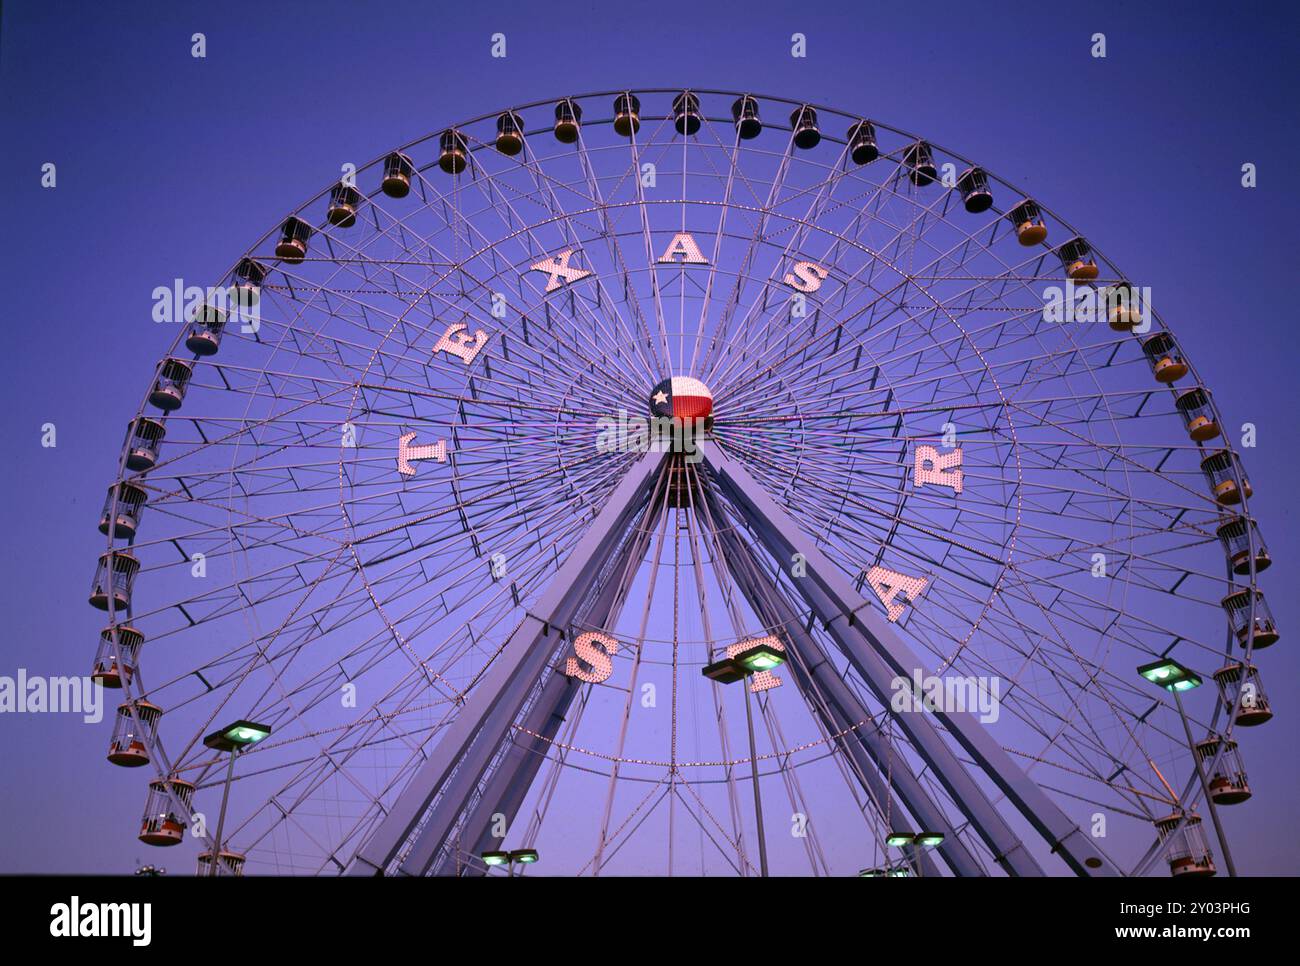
pixel 1170 675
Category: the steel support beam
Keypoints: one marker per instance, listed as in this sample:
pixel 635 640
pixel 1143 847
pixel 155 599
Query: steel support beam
pixel 507 786
pixel 880 656
pixel 467 745
pixel 504 790
pixel 843 710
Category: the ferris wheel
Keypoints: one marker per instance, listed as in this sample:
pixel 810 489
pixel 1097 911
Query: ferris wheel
pixel 680 482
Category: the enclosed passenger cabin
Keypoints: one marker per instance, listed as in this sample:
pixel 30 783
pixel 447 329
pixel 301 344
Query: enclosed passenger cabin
pixel 1185 847
pixel 973 183
pixel 133 733
pixel 1237 606
pixel 114 576
pixel 1236 677
pixel 228 863
pixel 144 437
pixel 1166 359
pixel 627 114
pixel 294 236
pixel 744 112
pixel 918 159
pixel 1076 256
pixel 1227 777
pixel 171 383
pixel 862 142
pixel 398 171
pixel 686 113
pixel 510 134
pixel 803 123
pixel 1222 471
pixel 568 120
pixel 453 152
pixel 1123 308
pixel 345 199
pixel 117 656
pixel 1031 229
pixel 250 275
pixel 123 506
pixel 166 812
pixel 1236 539
pixel 1198 415
pixel 204 335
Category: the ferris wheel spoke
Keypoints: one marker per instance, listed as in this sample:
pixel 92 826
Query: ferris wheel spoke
pixel 761 334
pixel 824 190
pixel 532 248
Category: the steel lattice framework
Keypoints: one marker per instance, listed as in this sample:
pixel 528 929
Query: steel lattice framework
pixel 405 520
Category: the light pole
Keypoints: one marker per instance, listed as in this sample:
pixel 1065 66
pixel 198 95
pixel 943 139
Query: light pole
pixel 1175 678
pixel 760 657
pixel 753 771
pixel 233 738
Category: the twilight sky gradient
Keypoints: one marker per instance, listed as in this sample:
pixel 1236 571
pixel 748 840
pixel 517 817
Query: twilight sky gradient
pixel 171 167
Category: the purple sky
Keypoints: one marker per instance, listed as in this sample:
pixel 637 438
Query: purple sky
pixel 170 167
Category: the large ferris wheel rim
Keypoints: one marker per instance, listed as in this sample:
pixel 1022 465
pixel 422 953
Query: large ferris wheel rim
pixel 112 541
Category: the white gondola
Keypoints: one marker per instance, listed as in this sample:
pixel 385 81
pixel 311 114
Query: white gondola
pixel 627 114
pixel 1076 256
pixel 294 237
pixel 133 734
pixel 117 656
pixel 973 184
pixel 345 199
pixel 862 143
pixel 1232 678
pixel 249 278
pixel 568 121
pixel 114 576
pixel 744 112
pixel 686 113
pixel 130 500
pixel 1031 229
pixel 1198 415
pixel 1166 359
pixel 144 437
pixel 1227 779
pixel 228 863
pixel 166 812
pixel 1238 607
pixel 453 152
pixel 204 335
pixel 918 159
pixel 510 134
pixel 398 171
pixel 1222 470
pixel 1236 540
pixel 1123 312
pixel 1186 850
pixel 803 122
pixel 171 383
